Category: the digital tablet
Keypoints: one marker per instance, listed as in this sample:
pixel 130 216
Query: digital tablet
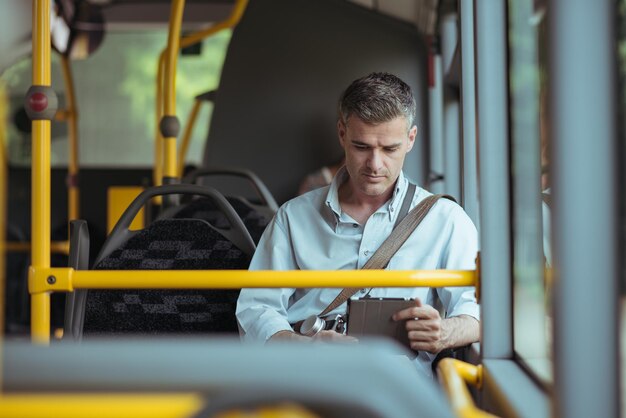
pixel 372 317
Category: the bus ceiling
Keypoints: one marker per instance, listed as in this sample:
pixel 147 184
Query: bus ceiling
pixel 15 21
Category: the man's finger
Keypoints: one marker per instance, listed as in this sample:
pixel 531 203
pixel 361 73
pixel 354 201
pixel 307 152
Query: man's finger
pixel 395 317
pixel 423 326
pixel 422 312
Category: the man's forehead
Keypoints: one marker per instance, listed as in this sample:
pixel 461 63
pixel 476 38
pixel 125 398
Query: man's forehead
pixel 385 133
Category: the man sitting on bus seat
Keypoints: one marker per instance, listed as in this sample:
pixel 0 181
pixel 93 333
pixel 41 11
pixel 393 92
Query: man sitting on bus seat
pixel 341 225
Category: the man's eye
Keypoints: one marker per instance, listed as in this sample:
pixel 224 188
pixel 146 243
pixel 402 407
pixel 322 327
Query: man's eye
pixel 394 149
pixel 360 147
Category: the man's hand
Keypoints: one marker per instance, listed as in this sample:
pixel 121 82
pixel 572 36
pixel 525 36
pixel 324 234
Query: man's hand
pixel 428 332
pixel 322 336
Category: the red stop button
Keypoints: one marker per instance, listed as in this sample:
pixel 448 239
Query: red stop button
pixel 38 102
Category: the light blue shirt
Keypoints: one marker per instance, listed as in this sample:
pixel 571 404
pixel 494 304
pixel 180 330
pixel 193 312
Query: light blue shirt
pixel 311 232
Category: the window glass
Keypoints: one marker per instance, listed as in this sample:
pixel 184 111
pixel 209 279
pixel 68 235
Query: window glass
pixel 115 93
pixel 530 187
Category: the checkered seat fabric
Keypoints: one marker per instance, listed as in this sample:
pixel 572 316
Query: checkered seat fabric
pixel 202 208
pixel 170 244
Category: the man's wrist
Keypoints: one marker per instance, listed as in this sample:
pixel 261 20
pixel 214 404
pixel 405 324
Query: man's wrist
pixel 458 331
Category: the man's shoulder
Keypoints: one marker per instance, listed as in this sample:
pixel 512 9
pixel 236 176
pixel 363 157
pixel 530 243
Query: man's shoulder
pixel 305 203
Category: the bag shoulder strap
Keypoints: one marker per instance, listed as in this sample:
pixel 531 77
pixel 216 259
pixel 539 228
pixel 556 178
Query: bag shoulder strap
pixel 401 232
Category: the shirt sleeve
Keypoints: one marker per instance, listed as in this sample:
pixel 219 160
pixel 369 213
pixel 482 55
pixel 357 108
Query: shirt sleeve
pixel 460 254
pixel 263 312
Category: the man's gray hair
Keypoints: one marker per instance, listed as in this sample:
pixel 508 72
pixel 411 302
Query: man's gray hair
pixel 377 98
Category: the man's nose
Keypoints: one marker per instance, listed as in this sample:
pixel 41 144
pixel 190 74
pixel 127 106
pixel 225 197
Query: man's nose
pixel 375 160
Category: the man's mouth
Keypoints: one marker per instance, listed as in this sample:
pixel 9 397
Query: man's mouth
pixel 374 177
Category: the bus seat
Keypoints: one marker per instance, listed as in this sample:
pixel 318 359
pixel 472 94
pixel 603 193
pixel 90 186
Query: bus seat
pixel 255 214
pixel 254 220
pixel 78 260
pixel 266 201
pixel 172 244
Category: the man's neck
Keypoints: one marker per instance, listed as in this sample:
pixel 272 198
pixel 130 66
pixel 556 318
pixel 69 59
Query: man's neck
pixel 359 205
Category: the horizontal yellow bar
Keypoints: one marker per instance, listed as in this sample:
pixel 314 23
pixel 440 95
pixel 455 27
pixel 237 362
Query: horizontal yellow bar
pixel 224 279
pixel 57 247
pixel 452 374
pixel 138 405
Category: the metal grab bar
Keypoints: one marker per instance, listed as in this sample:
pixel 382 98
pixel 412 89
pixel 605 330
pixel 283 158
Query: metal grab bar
pixel 3 212
pixel 43 281
pixel 65 279
pixel 107 404
pixel 56 247
pixel 165 99
pixel 454 375
pixel 40 190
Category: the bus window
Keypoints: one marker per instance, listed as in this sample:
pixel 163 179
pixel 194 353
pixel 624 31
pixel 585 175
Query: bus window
pixel 531 256
pixel 115 94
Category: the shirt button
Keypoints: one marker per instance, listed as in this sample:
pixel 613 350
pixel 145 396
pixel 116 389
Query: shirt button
pixel 355 225
pixel 366 252
pixel 391 209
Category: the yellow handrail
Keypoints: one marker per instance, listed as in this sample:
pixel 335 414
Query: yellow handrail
pixel 161 146
pixel 454 376
pixel 138 405
pixel 79 405
pixel 157 173
pixel 64 279
pixel 57 247
pixel 40 252
pixel 169 84
pixel 3 215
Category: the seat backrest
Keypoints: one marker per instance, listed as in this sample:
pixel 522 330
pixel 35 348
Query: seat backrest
pixel 170 244
pixel 254 218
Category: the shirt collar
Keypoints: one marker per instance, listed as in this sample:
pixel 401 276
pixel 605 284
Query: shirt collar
pixel 391 207
pixel 399 191
pixel 332 198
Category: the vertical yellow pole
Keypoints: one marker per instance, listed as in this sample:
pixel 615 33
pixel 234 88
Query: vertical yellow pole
pixel 173 42
pixel 158 145
pixel 3 214
pixel 40 251
pixel 73 205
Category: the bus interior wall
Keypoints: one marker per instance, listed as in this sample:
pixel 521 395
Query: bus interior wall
pixel 277 101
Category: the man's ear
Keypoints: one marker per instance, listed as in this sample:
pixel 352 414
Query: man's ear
pixel 412 135
pixel 341 132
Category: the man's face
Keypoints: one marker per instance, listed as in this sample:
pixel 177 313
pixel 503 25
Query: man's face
pixel 375 153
